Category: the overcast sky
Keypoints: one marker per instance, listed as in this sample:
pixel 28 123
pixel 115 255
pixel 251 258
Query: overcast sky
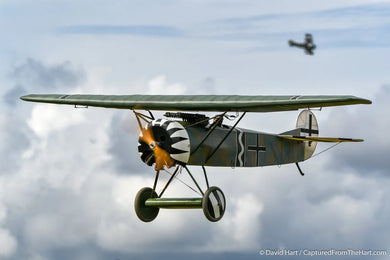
pixel 68 177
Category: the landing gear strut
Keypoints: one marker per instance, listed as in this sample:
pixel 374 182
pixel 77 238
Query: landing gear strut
pixel 147 203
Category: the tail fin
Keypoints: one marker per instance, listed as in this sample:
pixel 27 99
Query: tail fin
pixel 306 127
pixel 307 131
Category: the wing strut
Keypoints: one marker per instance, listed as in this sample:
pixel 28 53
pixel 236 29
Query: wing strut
pixel 215 124
pixel 224 138
pixel 146 118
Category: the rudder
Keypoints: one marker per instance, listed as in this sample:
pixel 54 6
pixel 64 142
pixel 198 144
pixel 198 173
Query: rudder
pixel 308 126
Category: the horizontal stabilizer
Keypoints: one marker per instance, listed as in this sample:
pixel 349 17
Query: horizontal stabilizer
pixel 319 139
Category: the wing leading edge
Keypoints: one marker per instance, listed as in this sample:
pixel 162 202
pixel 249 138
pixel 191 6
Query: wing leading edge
pixel 199 102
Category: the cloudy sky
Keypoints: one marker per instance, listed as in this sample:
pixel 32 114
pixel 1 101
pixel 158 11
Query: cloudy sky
pixel 68 177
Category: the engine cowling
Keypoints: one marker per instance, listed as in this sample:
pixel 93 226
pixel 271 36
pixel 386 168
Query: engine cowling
pixel 164 143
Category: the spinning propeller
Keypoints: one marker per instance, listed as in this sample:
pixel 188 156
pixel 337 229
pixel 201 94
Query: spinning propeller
pixel 163 143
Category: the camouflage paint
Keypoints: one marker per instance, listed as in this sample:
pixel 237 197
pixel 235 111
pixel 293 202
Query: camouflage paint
pixel 243 148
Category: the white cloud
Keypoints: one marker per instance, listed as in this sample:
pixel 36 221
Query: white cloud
pixel 240 227
pixel 342 214
pixel 35 256
pixel 8 243
pixel 71 188
pixel 2 120
pixel 45 120
pixel 160 86
pixel 48 118
pixel 3 213
pixel 369 123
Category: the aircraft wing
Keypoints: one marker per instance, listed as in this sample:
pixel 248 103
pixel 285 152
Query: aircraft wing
pixel 199 102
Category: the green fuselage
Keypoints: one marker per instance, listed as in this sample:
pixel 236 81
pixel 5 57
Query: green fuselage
pixel 242 148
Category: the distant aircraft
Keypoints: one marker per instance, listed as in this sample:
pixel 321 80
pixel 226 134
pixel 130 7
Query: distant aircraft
pixel 200 140
pixel 308 45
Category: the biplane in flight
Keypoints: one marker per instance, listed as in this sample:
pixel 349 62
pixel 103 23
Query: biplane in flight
pixel 308 46
pixel 186 138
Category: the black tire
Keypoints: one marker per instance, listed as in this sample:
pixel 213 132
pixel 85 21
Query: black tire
pixel 146 214
pixel 214 204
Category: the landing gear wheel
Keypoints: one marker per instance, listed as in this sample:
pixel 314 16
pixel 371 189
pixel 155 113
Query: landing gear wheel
pixel 213 204
pixel 146 214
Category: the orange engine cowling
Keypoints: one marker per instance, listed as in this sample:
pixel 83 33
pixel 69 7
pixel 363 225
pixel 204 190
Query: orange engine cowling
pixel 163 143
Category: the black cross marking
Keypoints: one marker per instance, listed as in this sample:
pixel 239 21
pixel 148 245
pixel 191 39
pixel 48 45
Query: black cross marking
pixel 310 130
pixel 257 149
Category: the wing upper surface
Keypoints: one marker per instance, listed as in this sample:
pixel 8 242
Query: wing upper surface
pixel 199 102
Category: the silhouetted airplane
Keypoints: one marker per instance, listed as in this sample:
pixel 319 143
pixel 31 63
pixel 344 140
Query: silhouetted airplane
pixel 308 45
